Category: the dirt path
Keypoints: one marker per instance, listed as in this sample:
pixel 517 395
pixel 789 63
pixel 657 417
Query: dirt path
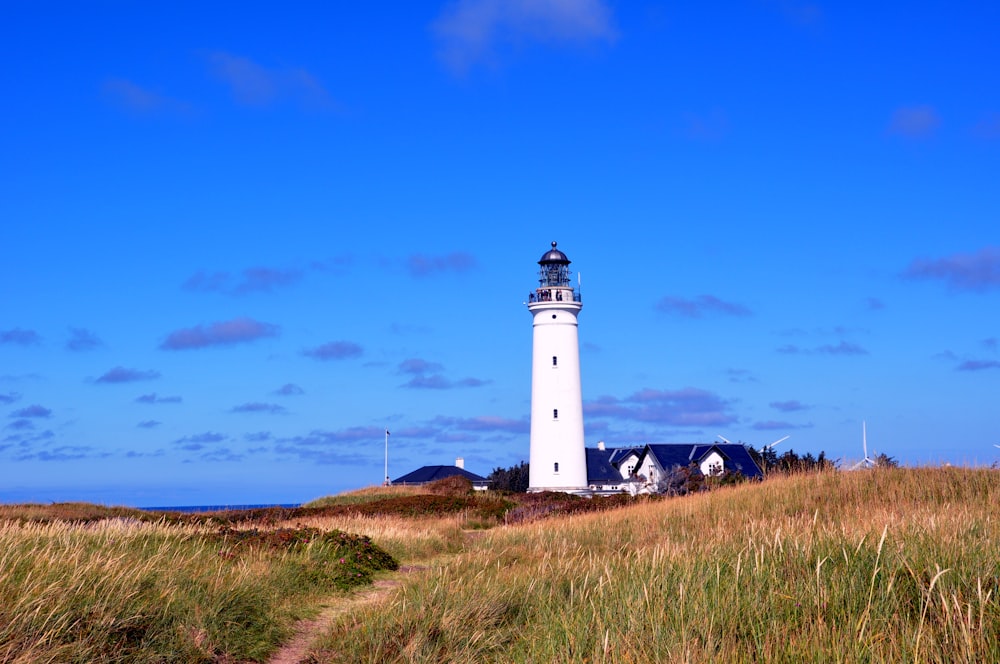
pixel 306 631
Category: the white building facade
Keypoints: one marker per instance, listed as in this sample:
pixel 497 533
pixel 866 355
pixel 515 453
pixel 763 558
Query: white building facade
pixel 558 459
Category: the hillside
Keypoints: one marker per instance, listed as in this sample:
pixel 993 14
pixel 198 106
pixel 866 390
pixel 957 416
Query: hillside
pixel 894 565
pixel 886 566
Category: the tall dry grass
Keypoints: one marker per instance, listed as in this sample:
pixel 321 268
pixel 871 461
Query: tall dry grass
pixel 406 539
pixel 885 566
pixel 122 590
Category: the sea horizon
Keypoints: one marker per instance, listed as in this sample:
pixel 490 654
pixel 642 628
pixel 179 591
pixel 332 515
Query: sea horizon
pixel 190 509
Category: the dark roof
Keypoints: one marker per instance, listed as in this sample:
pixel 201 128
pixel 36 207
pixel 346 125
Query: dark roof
pixel 554 256
pixel 619 453
pixel 736 457
pixel 432 473
pixel 599 468
pixel 670 455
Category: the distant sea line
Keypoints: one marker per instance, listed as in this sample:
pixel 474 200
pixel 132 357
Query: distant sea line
pixel 215 508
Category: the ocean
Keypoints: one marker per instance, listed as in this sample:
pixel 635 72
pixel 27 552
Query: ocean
pixel 190 509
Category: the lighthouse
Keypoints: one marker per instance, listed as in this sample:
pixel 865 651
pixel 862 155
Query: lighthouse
pixel 558 460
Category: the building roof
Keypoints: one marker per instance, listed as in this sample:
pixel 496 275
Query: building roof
pixel 618 454
pixel 738 459
pixel 554 256
pixel 671 455
pixel 599 468
pixel 735 456
pixel 432 473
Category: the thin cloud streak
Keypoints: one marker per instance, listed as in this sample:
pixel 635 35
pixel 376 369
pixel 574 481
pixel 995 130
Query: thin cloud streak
pixel 252 280
pixel 82 340
pixel 484 424
pixel 252 84
pixel 700 306
pixel 335 350
pixel 20 337
pixel 788 406
pixel 125 375
pixel 10 397
pixel 417 366
pixel 777 425
pixel 258 407
pixel 686 407
pixel 130 96
pixel 978 365
pixel 419 265
pixel 32 411
pixel 153 397
pixel 224 333
pixel 975 272
pixel 843 348
pixel 427 376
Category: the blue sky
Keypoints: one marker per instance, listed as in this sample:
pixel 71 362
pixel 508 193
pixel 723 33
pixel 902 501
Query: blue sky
pixel 241 241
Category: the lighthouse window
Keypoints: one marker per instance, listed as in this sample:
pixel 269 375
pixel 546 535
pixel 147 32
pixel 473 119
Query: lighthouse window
pixel 553 316
pixel 555 467
pixel 555 361
pixel 555 413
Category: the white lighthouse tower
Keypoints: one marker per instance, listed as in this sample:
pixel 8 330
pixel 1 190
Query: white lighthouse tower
pixel 558 459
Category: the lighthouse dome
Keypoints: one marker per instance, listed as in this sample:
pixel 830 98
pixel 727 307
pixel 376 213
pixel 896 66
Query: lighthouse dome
pixel 554 257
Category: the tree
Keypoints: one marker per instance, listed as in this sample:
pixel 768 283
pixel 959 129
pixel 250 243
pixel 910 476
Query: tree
pixel 789 461
pixel 883 460
pixel 513 479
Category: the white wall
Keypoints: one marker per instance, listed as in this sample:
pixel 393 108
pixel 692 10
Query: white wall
pixel 556 439
pixel 713 464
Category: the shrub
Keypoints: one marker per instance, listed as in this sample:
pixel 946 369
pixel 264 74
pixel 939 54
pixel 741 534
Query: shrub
pixel 456 485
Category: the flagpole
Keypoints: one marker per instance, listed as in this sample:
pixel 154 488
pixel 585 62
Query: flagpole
pixel 386 457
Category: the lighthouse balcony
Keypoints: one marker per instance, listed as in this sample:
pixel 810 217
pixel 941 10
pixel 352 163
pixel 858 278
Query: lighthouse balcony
pixel 555 295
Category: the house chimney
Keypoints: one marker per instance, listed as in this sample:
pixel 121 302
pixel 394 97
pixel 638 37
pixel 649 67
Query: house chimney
pixel 460 463
pixel 600 445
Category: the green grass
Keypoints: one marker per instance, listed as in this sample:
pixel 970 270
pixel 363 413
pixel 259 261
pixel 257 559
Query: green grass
pixel 122 590
pixel 886 566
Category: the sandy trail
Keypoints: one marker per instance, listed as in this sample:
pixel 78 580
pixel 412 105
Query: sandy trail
pixel 306 631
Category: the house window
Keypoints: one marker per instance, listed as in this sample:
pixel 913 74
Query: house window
pixel 555 467
pixel 631 469
pixel 555 413
pixel 555 361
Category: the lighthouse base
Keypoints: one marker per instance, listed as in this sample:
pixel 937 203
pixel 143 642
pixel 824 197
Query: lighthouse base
pixel 584 491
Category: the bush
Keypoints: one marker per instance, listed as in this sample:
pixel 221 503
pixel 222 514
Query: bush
pixel 456 485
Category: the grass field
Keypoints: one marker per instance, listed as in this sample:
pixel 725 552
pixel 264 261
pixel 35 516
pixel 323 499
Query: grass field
pixel 126 590
pixel 884 566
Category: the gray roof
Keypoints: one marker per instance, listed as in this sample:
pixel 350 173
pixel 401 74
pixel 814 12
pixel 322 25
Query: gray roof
pixel 432 473
pixel 599 468
pixel 554 256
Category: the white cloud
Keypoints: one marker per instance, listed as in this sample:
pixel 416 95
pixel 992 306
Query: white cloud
pixel 472 30
pixel 137 99
pixel 253 84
